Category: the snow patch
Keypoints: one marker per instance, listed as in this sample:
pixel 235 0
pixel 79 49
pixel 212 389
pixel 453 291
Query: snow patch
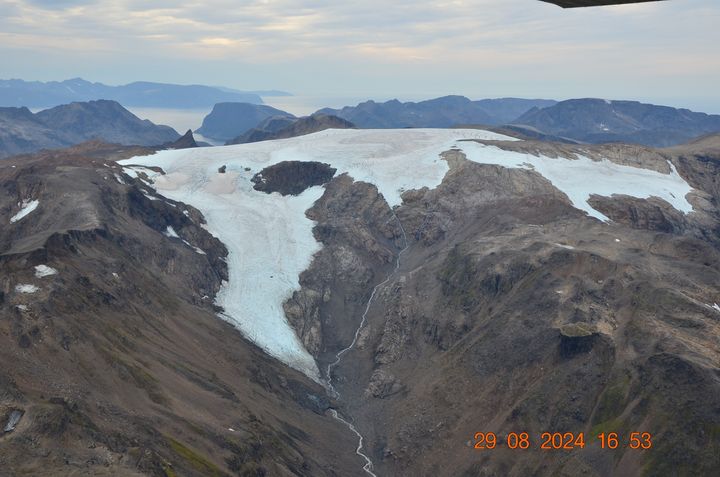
pixel 44 271
pixel 22 307
pixel 268 235
pixel 569 247
pixel 170 232
pixel 26 206
pixel 26 288
pixel 197 249
pixel 714 306
pixel 120 179
pixel 583 177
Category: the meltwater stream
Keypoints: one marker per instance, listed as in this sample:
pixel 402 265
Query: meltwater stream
pixel 368 467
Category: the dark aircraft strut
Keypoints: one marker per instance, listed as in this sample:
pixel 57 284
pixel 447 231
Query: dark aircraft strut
pixel 593 3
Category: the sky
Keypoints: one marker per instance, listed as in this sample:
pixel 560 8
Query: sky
pixel 662 52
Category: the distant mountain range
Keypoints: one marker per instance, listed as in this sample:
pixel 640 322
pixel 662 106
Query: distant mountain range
pixel 227 121
pixel 603 121
pixel 585 120
pixel 442 112
pixel 21 131
pixel 38 94
pixel 284 127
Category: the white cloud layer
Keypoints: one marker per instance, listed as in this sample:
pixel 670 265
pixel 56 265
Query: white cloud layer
pixel 522 47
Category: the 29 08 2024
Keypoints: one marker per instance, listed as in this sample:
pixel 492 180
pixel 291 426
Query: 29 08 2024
pixel 556 441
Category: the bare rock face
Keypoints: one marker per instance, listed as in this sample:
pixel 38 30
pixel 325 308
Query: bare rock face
pixel 383 385
pixel 360 240
pixel 576 338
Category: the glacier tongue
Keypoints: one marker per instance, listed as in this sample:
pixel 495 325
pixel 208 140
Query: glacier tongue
pixel 268 236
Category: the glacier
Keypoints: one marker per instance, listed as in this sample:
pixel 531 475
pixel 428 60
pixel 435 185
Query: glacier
pixel 269 238
pixel 580 178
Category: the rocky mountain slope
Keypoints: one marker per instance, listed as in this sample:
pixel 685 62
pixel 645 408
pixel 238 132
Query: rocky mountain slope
pixel 441 283
pixel 114 360
pixel 447 111
pixel 601 121
pixel 538 287
pixel 229 120
pixel 477 332
pixel 285 127
pixel 38 94
pixel 22 132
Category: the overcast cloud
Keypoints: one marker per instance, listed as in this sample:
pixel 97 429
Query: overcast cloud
pixel 665 51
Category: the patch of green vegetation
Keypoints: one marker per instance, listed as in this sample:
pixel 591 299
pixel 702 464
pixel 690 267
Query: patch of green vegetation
pixel 138 375
pixel 457 278
pixel 612 425
pixel 713 431
pixel 196 460
pixel 169 472
pixel 147 382
pixel 613 400
pixel 578 330
pixel 252 470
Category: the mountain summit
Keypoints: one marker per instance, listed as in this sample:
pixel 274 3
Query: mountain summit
pixel 600 121
pixel 21 131
pixel 447 111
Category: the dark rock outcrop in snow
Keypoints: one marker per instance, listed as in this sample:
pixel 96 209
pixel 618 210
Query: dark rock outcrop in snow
pixel 292 177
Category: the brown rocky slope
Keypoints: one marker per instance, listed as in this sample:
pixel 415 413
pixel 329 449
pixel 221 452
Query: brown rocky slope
pixel 117 364
pixel 512 311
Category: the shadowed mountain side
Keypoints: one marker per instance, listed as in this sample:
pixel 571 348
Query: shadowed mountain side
pixel 24 132
pixel 229 120
pixel 447 111
pixel 601 121
pixel 283 128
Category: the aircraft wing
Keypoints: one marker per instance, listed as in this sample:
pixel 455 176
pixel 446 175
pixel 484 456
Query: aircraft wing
pixel 593 3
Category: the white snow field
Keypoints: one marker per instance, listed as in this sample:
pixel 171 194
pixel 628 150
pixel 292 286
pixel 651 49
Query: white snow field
pixel 582 177
pixel 269 238
pixel 44 271
pixel 26 288
pixel 26 207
